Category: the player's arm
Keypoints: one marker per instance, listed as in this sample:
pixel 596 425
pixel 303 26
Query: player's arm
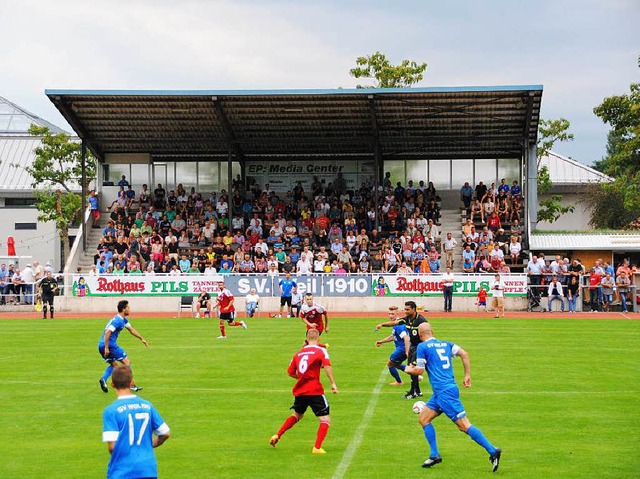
pixel 464 356
pixel 135 333
pixel 160 439
pixel 407 344
pixel 292 371
pixel 329 372
pixel 305 322
pixel 388 339
pixel 387 324
pixel 326 321
pixel 107 337
pixel 419 368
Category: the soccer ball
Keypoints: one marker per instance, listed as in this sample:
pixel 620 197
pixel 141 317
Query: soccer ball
pixel 418 406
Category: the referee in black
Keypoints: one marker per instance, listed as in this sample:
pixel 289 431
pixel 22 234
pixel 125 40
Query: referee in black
pixel 48 289
pixel 412 320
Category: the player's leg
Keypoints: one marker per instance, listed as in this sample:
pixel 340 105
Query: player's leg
pixel 393 370
pixel 198 308
pixel 427 415
pixel 282 303
pixel 233 322
pixel 320 407
pixel 223 333
pixel 288 306
pixel 299 407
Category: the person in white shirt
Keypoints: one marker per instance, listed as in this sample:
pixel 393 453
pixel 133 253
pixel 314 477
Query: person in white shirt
pixel 448 247
pixel 252 302
pixel 273 270
pixel 555 293
pixel 303 266
pixel 497 293
pixel 38 271
pixel 318 264
pixel 210 270
pixel 447 289
pixel 29 278
pixel 261 246
pixel 296 302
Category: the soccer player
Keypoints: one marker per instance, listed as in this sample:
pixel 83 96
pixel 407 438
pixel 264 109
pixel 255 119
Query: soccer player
pixel 286 286
pixel 204 301
pixel 308 391
pixel 129 425
pixel 400 337
pixel 435 357
pixel 412 321
pixel 48 289
pixel 312 315
pixel 224 305
pixel 108 344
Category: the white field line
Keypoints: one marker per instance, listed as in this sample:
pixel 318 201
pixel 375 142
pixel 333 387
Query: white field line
pixel 350 452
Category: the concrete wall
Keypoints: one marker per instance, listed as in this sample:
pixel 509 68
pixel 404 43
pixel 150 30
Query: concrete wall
pixel 376 306
pixel 576 221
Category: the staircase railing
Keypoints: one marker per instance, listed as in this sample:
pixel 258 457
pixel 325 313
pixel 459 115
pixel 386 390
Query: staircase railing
pixel 76 250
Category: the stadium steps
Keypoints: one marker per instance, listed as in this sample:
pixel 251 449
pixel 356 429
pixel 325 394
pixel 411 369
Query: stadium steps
pixel 450 221
pixel 86 261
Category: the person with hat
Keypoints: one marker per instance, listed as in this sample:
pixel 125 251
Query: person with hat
pixel 29 279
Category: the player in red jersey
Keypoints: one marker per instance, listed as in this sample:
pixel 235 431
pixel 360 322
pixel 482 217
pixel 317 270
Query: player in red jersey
pixel 308 391
pixel 224 304
pixel 314 316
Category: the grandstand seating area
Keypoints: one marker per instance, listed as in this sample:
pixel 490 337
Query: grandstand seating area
pixel 328 229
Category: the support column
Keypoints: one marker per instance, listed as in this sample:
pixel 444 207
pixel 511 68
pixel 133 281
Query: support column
pixel 230 184
pixel 85 193
pixel 377 183
pixel 531 156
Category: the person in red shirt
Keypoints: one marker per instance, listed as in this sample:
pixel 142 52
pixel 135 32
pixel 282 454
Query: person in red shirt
pixel 482 299
pixel 314 316
pixel 308 391
pixel 224 305
pixel 493 222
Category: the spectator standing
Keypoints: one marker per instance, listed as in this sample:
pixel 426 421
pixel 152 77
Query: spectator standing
pixel 497 293
pixel 29 279
pixel 622 283
pixel 573 292
pixel 447 289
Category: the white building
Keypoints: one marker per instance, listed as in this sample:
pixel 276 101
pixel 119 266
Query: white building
pixel 18 215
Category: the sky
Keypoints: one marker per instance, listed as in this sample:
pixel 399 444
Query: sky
pixel 580 51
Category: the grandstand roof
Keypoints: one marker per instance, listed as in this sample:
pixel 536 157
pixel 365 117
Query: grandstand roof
pixel 15 120
pixel 405 123
pixel 566 171
pixel 604 241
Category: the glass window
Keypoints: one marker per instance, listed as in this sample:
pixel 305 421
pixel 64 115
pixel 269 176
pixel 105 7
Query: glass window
pixel 171 175
pixel 116 171
pixel 223 180
pixel 397 170
pixel 139 174
pixel 461 171
pixel 509 169
pixel 440 174
pixel 416 171
pixel 485 171
pixel 186 172
pixel 207 176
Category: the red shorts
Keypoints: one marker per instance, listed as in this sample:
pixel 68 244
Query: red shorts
pixel 319 327
pixel 95 214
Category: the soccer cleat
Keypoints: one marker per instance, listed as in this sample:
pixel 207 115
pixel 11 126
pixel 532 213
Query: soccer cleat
pixel 432 461
pixel 279 315
pixel 243 324
pixel 103 385
pixel 395 383
pixel 136 388
pixel 494 459
pixel 274 440
pixel 409 395
pixel 318 450
pixel 222 337
pixel 197 315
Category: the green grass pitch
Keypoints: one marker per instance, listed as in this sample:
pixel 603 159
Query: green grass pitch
pixel 560 396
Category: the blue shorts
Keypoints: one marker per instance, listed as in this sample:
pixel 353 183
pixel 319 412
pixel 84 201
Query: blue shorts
pixel 448 402
pixel 482 303
pixel 116 353
pixel 398 355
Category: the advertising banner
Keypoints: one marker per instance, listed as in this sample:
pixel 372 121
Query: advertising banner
pixel 193 285
pixel 431 284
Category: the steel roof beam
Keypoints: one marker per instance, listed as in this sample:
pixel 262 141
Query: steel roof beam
pixel 226 126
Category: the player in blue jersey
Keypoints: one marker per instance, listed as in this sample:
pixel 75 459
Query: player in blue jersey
pixel 108 344
pixel 131 427
pixel 400 336
pixel 435 357
pixel 286 286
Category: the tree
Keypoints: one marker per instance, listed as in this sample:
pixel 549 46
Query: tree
pixel 622 113
pixel 551 131
pixel 386 75
pixel 57 166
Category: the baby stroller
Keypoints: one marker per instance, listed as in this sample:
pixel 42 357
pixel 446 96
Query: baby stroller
pixel 533 295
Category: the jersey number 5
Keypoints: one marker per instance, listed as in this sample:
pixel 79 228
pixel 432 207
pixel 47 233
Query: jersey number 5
pixel 446 362
pixel 140 416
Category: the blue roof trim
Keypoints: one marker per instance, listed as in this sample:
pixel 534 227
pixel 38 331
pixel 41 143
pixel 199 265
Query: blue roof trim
pixel 356 91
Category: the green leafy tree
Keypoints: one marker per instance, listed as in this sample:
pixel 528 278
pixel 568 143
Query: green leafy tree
pixel 55 170
pixel 622 113
pixel 378 67
pixel 551 132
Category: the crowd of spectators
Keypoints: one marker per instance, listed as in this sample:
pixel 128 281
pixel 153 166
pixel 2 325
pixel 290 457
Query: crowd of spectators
pixel 328 229
pixel 18 286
